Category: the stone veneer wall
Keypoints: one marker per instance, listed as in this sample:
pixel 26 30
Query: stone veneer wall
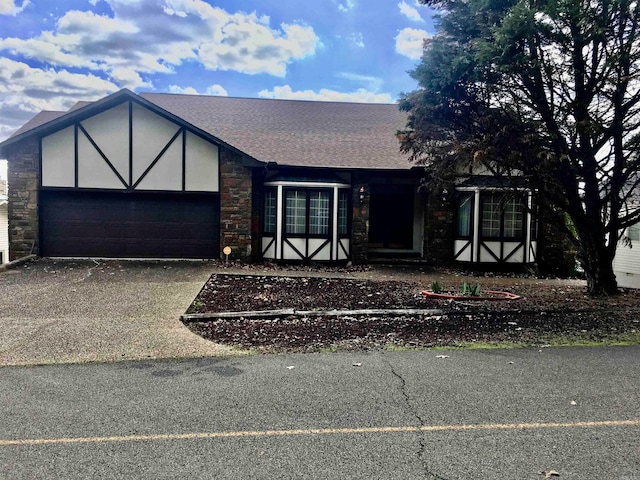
pixel 439 228
pixel 235 206
pixel 360 219
pixel 24 179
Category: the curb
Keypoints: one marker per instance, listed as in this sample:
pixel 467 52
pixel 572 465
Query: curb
pixel 17 263
pixel 198 317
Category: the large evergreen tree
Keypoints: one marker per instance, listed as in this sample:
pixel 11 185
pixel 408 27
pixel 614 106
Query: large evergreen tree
pixel 546 88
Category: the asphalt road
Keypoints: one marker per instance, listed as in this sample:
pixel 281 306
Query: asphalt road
pixel 499 414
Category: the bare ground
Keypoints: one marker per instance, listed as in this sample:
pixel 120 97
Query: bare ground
pixel 549 310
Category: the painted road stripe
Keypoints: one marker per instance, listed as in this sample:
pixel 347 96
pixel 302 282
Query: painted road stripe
pixel 318 431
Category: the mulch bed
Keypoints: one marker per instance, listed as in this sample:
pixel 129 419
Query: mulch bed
pixel 543 311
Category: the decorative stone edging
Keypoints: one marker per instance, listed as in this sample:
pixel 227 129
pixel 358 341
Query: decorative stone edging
pixel 197 317
pixel 17 263
pixel 494 295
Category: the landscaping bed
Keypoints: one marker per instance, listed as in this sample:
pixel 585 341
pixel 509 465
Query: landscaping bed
pixel 547 312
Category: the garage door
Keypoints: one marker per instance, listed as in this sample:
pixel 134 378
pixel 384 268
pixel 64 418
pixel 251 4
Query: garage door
pixel 129 225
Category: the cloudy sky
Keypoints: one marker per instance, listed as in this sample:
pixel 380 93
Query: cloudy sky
pixel 53 53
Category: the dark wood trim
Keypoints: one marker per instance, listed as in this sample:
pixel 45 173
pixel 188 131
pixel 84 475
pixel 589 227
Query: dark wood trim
pixel 513 252
pixel 75 156
pixel 184 160
pixel 104 157
pixel 343 249
pixel 302 255
pixel 40 161
pixel 319 249
pixel 128 191
pixel 130 144
pixel 273 240
pixel 157 159
pixel 489 252
pixel 461 251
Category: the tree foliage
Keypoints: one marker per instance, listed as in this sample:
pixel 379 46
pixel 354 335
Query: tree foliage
pixel 548 88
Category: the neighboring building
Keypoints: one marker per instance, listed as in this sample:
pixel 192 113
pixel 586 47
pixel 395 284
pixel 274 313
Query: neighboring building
pixel 162 175
pixel 626 264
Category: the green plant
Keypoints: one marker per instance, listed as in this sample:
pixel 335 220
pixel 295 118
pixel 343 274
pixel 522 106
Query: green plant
pixel 436 287
pixel 469 290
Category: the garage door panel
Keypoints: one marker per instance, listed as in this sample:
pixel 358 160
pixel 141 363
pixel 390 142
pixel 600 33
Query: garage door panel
pixel 131 225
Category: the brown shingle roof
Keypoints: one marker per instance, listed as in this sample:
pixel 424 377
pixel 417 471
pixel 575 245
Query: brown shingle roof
pixel 40 119
pixel 297 133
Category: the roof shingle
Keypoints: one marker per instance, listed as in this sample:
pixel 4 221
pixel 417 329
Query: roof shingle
pixel 295 132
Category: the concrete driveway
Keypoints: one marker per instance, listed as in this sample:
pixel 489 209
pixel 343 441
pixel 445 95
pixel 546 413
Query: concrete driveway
pixel 82 311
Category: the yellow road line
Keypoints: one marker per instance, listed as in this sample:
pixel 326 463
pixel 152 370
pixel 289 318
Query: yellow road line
pixel 317 431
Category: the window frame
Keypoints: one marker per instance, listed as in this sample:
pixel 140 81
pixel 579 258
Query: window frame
pixel 504 201
pixel 272 191
pixel 470 198
pixel 306 192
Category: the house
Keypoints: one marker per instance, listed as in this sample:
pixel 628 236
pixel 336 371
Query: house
pixel 626 263
pixel 184 176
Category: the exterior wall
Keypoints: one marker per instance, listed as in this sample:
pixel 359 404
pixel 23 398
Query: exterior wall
pixel 24 178
pixel 4 232
pixel 360 218
pixel 439 227
pixel 235 206
pixel 626 265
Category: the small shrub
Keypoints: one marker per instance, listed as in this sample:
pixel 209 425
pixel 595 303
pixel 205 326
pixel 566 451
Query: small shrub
pixel 436 287
pixel 469 290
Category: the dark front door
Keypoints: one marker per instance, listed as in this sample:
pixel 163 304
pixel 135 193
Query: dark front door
pixel 129 225
pixel 391 216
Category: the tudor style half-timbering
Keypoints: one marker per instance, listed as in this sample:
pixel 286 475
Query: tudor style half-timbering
pixel 184 176
pixel 115 184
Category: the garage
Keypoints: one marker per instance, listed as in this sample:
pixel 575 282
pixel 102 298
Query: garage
pixel 129 224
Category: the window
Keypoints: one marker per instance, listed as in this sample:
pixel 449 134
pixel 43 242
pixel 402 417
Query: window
pixel 634 232
pixel 491 216
pixel 319 213
pixel 270 211
pixel 295 212
pixel 343 212
pixel 502 216
pixel 464 215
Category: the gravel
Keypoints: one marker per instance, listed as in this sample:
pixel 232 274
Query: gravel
pixel 547 311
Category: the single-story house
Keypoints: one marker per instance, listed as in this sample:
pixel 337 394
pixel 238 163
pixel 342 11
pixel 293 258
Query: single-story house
pixel 184 176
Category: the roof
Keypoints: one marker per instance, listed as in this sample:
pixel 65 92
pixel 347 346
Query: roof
pixel 40 119
pixel 295 132
pixel 286 132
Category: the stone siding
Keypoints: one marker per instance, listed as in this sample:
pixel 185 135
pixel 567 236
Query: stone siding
pixel 24 180
pixel 439 228
pixel 235 206
pixel 360 219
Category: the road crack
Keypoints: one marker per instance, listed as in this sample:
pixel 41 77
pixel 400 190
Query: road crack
pixel 422 444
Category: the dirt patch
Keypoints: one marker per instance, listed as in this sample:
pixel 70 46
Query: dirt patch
pixel 547 308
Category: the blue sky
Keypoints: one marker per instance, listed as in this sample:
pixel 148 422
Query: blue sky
pixel 54 53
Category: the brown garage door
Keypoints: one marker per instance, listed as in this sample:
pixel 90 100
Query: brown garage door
pixel 129 225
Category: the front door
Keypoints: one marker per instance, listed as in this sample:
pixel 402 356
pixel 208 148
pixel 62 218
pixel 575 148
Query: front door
pixel 391 212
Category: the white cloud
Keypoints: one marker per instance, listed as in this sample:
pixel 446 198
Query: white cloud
pixel 360 96
pixel 128 78
pixel 357 39
pixel 25 91
pixel 370 83
pixel 147 36
pixel 410 12
pixel 347 6
pixel 409 42
pixel 9 7
pixel 217 90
